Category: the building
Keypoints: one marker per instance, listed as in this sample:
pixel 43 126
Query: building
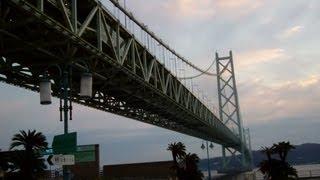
pixel 142 171
pixel 87 165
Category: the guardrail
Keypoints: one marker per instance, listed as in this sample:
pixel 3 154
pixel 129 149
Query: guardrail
pixel 309 173
pixel 313 173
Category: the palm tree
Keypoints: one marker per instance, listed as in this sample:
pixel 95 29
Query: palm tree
pixel 191 167
pixel 267 151
pixel 282 148
pixel 178 151
pixel 29 161
pixel 273 168
pixel 30 141
pixel 265 166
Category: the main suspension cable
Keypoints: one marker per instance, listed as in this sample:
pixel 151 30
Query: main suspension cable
pixel 151 34
pixel 202 73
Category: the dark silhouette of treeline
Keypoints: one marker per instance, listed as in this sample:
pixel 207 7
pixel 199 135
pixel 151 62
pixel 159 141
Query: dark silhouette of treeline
pixel 302 154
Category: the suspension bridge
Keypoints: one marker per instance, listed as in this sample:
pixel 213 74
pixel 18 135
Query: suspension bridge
pixel 134 73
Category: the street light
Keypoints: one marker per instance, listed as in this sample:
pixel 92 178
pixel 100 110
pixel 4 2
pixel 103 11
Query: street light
pixel 45 88
pixel 45 91
pixel 211 146
pixel 202 146
pixel 45 96
pixel 86 85
pixel 208 158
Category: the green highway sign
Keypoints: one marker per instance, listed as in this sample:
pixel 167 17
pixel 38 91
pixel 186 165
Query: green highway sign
pixel 65 143
pixel 83 153
pixel 85 156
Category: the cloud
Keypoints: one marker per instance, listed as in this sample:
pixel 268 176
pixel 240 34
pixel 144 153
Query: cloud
pixel 237 8
pixel 291 99
pixel 312 80
pixel 191 9
pixel 291 32
pixel 297 131
pixel 205 9
pixel 254 57
pixel 238 4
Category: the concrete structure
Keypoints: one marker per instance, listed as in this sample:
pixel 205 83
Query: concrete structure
pixel 149 170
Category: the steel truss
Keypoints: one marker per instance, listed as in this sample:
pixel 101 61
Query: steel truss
pixel 229 111
pixel 39 35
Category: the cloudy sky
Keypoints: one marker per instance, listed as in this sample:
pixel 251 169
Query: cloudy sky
pixel 275 46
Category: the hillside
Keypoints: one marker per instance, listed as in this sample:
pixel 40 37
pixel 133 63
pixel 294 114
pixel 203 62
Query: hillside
pixel 303 154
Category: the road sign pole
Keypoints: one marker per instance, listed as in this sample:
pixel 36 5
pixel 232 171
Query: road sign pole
pixel 65 100
pixel 65 113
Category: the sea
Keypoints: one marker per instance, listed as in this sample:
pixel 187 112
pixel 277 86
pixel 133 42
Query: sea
pixel 310 170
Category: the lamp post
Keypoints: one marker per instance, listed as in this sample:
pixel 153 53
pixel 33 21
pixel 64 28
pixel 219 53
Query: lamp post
pixel 208 157
pixel 65 96
pixel 65 91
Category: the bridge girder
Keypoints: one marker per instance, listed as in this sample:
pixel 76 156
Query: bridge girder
pixel 37 36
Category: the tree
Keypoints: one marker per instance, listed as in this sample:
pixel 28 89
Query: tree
pixel 186 165
pixel 178 150
pixel 277 168
pixel 29 161
pixel 268 152
pixel 191 171
pixel 282 148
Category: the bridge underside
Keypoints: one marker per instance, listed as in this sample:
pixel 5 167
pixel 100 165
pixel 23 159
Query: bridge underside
pixel 32 43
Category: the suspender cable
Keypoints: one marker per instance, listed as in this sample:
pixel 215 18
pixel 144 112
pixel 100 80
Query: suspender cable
pixel 163 44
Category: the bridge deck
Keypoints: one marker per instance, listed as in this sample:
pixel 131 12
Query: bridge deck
pixel 128 80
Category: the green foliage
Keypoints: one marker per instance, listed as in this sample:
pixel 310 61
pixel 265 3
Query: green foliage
pixel 28 161
pixel 191 171
pixel 186 165
pixel 276 169
pixel 178 150
pixel 30 140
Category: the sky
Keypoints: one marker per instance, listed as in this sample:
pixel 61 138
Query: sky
pixel 275 48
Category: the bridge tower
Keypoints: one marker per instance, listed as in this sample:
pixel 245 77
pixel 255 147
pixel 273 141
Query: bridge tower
pixel 229 112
